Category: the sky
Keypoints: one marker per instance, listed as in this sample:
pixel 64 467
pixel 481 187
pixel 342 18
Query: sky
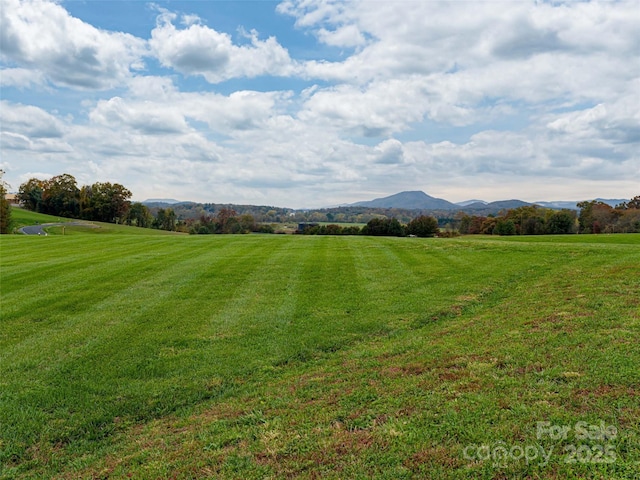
pixel 311 103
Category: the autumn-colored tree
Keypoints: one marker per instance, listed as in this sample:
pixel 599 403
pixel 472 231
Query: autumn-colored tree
pixel 488 225
pixel 633 204
pixel 223 219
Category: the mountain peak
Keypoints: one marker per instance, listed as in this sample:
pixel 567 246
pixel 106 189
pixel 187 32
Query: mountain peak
pixel 410 200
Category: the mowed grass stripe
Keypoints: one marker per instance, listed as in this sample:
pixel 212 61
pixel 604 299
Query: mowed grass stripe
pixel 41 298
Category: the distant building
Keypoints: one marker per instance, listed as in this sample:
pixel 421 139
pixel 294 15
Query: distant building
pixel 12 198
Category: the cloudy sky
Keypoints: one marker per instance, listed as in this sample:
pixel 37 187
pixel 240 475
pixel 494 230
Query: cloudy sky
pixel 317 102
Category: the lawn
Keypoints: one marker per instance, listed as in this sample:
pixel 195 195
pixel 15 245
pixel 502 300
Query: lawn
pixel 21 218
pixel 275 356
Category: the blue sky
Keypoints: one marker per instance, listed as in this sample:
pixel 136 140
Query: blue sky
pixel 317 102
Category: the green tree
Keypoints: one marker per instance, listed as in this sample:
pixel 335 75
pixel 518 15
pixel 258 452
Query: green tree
pixel 5 208
pixel 423 226
pixel 247 223
pixel 61 196
pixel 505 227
pixel 30 194
pixel 390 227
pixel 139 215
pixel 105 202
pixel 561 222
pixel 165 220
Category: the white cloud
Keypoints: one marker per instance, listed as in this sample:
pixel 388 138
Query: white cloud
pixel 147 117
pixel 200 50
pixel 42 36
pixel 30 121
pixel 21 78
pixel 461 99
pixel 465 53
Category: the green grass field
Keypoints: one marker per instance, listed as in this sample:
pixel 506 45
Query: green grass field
pixel 277 356
pixel 21 218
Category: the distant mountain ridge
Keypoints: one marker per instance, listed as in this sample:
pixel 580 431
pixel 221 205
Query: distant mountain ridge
pixel 574 205
pixel 418 200
pixel 466 203
pixel 169 201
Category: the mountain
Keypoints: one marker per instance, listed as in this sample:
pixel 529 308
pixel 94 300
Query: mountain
pixel 416 200
pixel 612 201
pixel 559 204
pixel 507 204
pixel 475 206
pixel 467 203
pixel 169 201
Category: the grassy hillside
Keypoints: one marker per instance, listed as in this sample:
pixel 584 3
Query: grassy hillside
pixel 21 217
pixel 302 357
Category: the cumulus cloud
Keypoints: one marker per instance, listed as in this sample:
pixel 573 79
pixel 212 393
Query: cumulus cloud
pixel 149 118
pixel 30 121
pixel 200 50
pixel 21 78
pixel 389 152
pixel 42 36
pixel 464 55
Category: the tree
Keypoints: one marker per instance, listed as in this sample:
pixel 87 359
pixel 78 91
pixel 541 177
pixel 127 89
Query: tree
pixel 105 202
pixel 634 204
pixel 247 223
pixel 30 194
pixel 61 196
pixel 423 226
pixel 139 215
pixel 390 227
pixel 223 219
pixel 505 227
pixel 5 208
pixel 593 216
pixel 561 222
pixel 488 225
pixel 165 220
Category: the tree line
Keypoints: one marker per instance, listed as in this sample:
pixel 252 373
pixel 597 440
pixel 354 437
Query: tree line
pixel 593 217
pixel 110 202
pixel 422 226
pixel 101 201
